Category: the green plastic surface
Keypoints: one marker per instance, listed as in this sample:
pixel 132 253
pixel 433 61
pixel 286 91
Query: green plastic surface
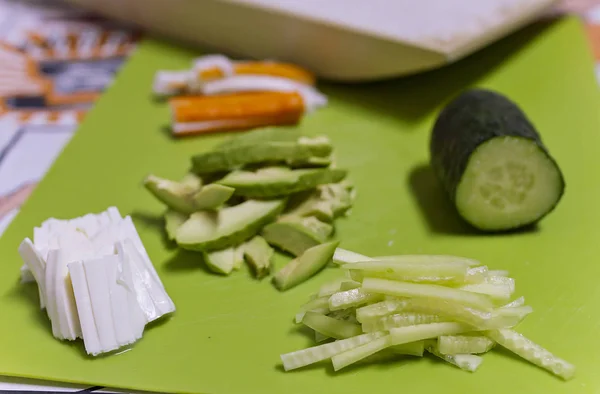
pixel 227 333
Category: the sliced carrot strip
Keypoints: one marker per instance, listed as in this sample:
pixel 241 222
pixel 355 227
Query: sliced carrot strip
pixel 274 69
pixel 237 106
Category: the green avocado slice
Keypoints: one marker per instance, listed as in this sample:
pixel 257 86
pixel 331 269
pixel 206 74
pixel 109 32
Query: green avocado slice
pixel 259 256
pixel 175 195
pixel 212 196
pixel 220 261
pixel 227 227
pixel 173 220
pixel 305 265
pixel 279 181
pixel 296 235
pixel 235 156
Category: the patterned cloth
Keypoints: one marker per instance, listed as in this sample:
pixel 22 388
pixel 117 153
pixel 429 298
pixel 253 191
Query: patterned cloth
pixel 54 63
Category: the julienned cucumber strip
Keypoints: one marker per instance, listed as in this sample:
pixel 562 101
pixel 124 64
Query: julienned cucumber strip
pixel 497 292
pixel 492 163
pixel 351 356
pixel 464 344
pixel 405 289
pixel 532 352
pixel 400 320
pixel 351 298
pixel 408 268
pixel 427 259
pixel 318 304
pixel 518 302
pixel 466 362
pixel 451 325
pixel 331 327
pixel 419 332
pixel 474 275
pixel 381 309
pixel 314 354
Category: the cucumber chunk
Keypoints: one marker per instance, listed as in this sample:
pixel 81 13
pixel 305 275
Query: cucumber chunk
pixel 492 163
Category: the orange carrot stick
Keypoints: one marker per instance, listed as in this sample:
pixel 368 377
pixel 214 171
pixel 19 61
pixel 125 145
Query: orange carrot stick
pixel 204 114
pixel 236 106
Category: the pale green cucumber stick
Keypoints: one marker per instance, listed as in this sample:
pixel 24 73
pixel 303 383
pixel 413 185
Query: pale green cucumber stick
pixel 260 193
pixel 386 308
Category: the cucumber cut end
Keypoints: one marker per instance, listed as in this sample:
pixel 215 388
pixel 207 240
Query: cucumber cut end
pixel 510 182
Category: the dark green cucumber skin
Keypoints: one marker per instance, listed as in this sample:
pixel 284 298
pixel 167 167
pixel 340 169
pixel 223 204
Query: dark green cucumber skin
pixel 472 118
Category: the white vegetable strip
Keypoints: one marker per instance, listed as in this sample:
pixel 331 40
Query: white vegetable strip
pixel 91 339
pixel 532 352
pixel 50 292
pixel 36 265
pixel 97 282
pixel 65 307
pixel 404 289
pixel 315 354
pixel 351 356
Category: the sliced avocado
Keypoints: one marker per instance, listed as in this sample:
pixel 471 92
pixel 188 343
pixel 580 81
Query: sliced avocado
pixel 173 220
pixel 279 181
pixel 326 202
pixel 192 180
pixel 259 256
pixel 227 227
pixel 175 195
pixel 221 261
pixel 296 235
pixel 238 257
pixel 265 134
pixel 237 155
pixel 305 266
pixel 310 162
pixel 212 196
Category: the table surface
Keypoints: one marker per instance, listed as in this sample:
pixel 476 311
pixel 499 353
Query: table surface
pixel 23 129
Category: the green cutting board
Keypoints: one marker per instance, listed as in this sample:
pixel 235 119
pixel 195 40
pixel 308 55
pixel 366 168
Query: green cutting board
pixel 228 332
